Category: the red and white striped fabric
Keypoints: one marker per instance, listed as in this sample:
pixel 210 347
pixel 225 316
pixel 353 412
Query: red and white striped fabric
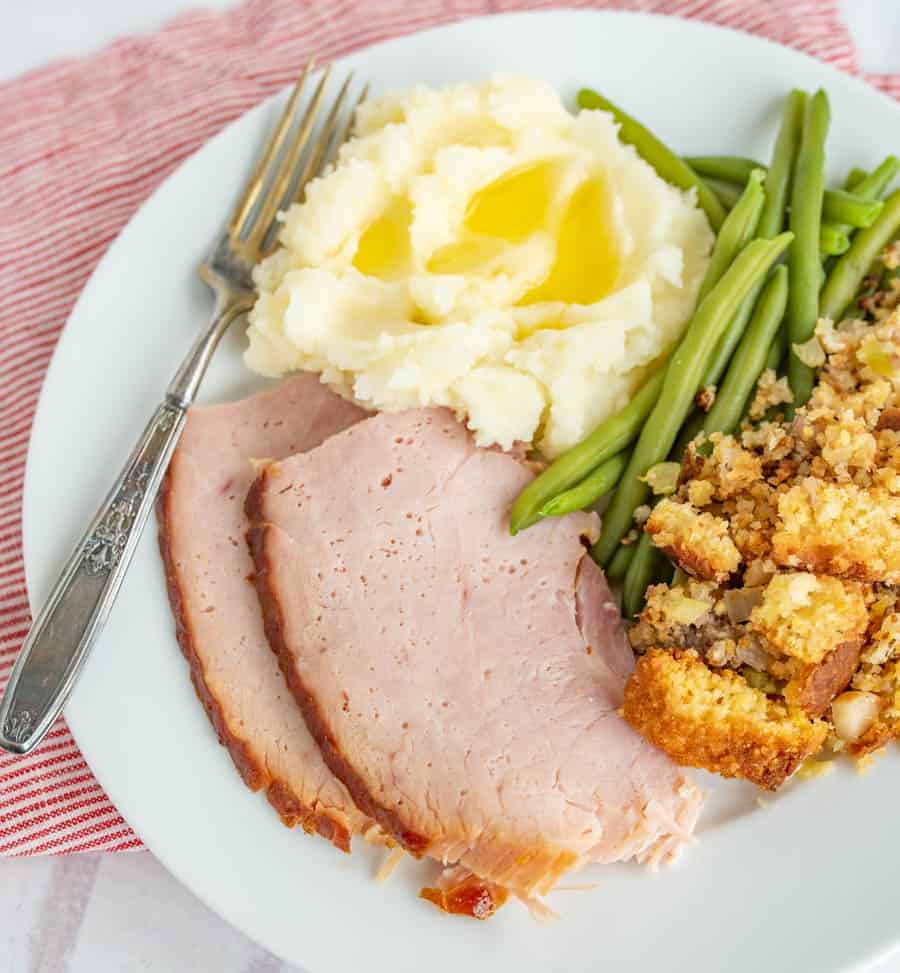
pixel 96 136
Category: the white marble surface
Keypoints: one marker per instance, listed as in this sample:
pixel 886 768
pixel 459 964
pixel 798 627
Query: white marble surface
pixel 124 913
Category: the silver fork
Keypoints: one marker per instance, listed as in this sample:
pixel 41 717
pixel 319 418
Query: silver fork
pixel 69 623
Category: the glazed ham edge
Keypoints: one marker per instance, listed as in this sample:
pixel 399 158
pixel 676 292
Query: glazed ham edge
pixel 280 796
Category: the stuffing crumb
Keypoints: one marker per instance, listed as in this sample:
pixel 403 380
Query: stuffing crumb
pixel 641 514
pixel 700 493
pixel 673 616
pixel 811 353
pixel 884 644
pixel 864 763
pixel 706 397
pixel 771 392
pixel 891 256
pixel 812 768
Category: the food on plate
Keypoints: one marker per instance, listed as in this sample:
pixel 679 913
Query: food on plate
pixel 847 277
pixel 790 533
pixel 656 414
pixel 859 208
pixel 840 208
pixel 762 566
pixel 712 718
pixel 455 676
pixel 463 683
pixel 805 221
pixel 684 374
pixel 218 621
pixel 762 347
pixel 481 248
pixel 461 893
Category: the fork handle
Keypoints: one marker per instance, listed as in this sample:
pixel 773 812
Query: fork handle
pixel 79 604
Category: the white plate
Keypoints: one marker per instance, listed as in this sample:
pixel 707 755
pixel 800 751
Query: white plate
pixel 808 883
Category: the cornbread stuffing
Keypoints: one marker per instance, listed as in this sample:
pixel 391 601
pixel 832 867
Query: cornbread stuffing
pixel 840 528
pixel 692 537
pixel 786 632
pixel 715 719
pixel 806 616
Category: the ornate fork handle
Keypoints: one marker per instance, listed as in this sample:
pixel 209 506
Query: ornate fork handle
pixel 81 600
pixel 67 626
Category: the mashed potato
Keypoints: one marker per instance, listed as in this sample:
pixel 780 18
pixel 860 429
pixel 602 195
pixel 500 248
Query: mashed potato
pixel 479 247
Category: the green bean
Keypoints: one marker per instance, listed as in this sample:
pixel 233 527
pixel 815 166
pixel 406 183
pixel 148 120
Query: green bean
pixel 750 358
pixel 657 154
pixel 784 157
pixel 846 277
pixel 589 490
pixel 609 438
pixel 729 341
pixel 618 566
pixel 833 240
pixel 805 222
pixel 851 209
pixel 777 350
pixel 735 233
pixel 645 564
pixel 857 208
pixel 727 168
pixel 684 373
pixel 871 186
pixel 728 193
pixel 877 182
pixel 854 177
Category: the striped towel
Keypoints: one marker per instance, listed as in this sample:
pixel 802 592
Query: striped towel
pixel 104 131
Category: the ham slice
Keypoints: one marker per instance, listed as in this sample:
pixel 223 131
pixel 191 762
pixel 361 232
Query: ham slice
pixel 464 684
pixel 217 617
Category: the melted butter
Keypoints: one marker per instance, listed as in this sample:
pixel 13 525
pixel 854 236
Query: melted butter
pixel 526 330
pixel 508 211
pixel 515 205
pixel 464 256
pixel 384 249
pixel 586 264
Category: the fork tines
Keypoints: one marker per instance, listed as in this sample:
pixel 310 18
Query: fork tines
pixel 298 149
